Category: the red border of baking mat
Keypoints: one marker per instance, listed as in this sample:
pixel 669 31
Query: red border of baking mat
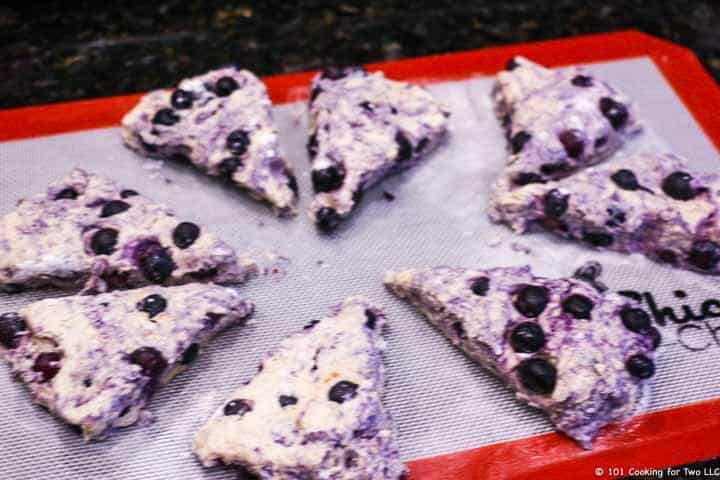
pixel 652 440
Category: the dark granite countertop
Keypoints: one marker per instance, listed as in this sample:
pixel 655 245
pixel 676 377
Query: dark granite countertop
pixel 54 51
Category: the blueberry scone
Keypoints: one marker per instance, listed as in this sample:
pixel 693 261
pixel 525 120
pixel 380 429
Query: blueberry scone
pixel 94 361
pixel 87 230
pixel 558 121
pixel 222 123
pixel 364 127
pixel 647 203
pixel 582 357
pixel 313 410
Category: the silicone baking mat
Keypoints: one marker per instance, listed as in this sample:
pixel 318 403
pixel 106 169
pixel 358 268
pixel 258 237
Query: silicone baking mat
pixel 455 421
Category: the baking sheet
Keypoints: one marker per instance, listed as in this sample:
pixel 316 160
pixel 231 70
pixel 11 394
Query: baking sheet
pixel 441 401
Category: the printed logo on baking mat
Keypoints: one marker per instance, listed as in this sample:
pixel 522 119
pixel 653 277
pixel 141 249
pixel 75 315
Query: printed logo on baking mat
pixel 696 324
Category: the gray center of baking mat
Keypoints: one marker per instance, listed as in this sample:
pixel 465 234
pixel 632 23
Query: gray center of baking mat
pixel 440 400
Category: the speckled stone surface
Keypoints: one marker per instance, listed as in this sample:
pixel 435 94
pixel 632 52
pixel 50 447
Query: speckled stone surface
pixel 50 53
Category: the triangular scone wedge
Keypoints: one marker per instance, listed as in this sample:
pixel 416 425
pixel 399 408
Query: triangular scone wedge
pixel 646 203
pixel 558 121
pixel 364 127
pixel 314 408
pixel 582 357
pixel 222 123
pixel 87 230
pixel 94 361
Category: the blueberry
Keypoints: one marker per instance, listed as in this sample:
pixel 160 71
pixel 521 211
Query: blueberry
pixel 555 204
pixel 12 288
pixel 237 142
pixel 190 354
pixel 616 217
pixel 312 145
pixel 511 64
pixel 527 337
pixel 537 375
pixel 704 254
pixel 228 166
pixel 225 86
pixel 640 366
pixel 48 364
pixel 371 319
pixel 68 193
pixel 103 241
pixel 526 178
pixel 625 179
pixel 600 141
pixel 238 406
pixel 314 93
pixel 292 182
pixel 405 149
pixel 150 360
pixel 244 474
pixel 152 305
pixel 422 144
pixel 113 207
pixel 518 141
pixel 155 262
pixel 572 141
pixel 342 391
pixel 677 186
pixel 635 319
pixel 127 193
pixel 358 194
pixel 11 325
pixel 598 239
pixel 589 271
pixel 655 337
pixel 666 256
pixel 327 219
pixel 367 106
pixel 553 168
pixel 458 329
pixel 351 459
pixel 615 112
pixel 185 234
pixel 582 81
pixel 166 116
pixel 531 300
pixel 311 324
pixel 286 400
pixel 579 306
pixel 181 99
pixel 480 286
pixel 328 179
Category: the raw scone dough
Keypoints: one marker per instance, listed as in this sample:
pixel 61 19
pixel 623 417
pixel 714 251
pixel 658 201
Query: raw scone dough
pixel 364 127
pixel 582 357
pixel 313 410
pixel 94 361
pixel 87 230
pixel 222 123
pixel 558 121
pixel 647 203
